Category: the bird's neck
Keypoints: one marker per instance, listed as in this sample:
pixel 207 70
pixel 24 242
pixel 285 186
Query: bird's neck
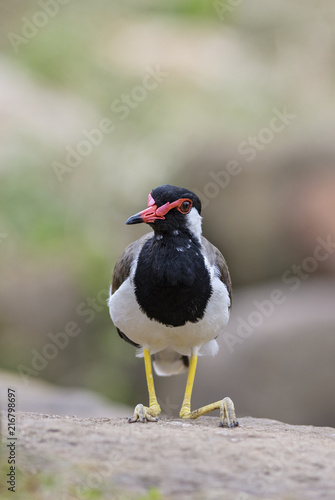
pixel 177 238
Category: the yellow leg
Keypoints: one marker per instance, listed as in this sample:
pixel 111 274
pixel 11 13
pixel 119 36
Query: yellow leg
pixel 154 408
pixel 185 411
pixel 226 406
pixel 145 413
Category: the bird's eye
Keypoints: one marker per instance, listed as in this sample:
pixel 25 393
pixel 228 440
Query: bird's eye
pixel 185 206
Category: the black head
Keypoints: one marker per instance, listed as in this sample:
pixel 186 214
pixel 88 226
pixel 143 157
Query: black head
pixel 171 208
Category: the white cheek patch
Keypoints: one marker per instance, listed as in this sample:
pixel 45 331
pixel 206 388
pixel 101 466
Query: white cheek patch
pixel 194 221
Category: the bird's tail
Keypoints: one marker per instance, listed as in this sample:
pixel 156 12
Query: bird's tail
pixel 169 362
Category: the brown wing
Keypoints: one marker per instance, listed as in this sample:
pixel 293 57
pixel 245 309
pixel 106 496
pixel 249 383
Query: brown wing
pixel 215 258
pixel 123 265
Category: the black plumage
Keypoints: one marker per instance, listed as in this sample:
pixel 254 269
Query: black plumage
pixel 172 283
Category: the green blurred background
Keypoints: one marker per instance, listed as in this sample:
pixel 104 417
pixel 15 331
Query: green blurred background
pixel 228 68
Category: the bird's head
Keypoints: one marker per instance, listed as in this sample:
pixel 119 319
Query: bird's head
pixel 171 209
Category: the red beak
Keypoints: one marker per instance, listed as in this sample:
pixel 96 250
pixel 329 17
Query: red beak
pixel 153 213
pixel 147 215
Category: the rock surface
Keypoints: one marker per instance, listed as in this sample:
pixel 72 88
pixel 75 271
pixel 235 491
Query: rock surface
pixel 67 457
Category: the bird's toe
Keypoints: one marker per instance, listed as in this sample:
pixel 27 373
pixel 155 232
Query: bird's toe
pixel 227 414
pixel 142 414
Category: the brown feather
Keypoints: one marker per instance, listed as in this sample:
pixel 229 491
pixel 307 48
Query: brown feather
pixel 215 258
pixel 123 265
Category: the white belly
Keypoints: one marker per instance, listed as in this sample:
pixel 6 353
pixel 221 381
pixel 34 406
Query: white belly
pixel 189 338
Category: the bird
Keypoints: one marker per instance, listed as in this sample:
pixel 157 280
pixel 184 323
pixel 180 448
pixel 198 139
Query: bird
pixel 171 296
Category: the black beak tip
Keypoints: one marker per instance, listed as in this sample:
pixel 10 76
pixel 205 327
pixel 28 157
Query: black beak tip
pixel 134 219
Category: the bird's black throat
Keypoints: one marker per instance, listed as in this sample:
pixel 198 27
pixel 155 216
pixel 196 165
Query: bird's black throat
pixel 172 282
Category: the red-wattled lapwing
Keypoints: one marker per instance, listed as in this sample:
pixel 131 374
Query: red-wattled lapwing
pixel 171 296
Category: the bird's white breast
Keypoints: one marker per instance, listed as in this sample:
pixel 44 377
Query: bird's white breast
pixel 133 322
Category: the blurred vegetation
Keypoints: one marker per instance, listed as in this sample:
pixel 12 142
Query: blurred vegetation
pixel 225 78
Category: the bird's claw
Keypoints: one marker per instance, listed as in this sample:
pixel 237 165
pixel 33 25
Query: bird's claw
pixel 227 414
pixel 143 414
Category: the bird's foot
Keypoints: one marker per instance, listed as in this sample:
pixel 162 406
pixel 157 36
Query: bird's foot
pixel 145 414
pixel 226 407
pixel 227 414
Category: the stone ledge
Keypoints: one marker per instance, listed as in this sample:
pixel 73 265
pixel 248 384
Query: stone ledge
pixel 179 459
